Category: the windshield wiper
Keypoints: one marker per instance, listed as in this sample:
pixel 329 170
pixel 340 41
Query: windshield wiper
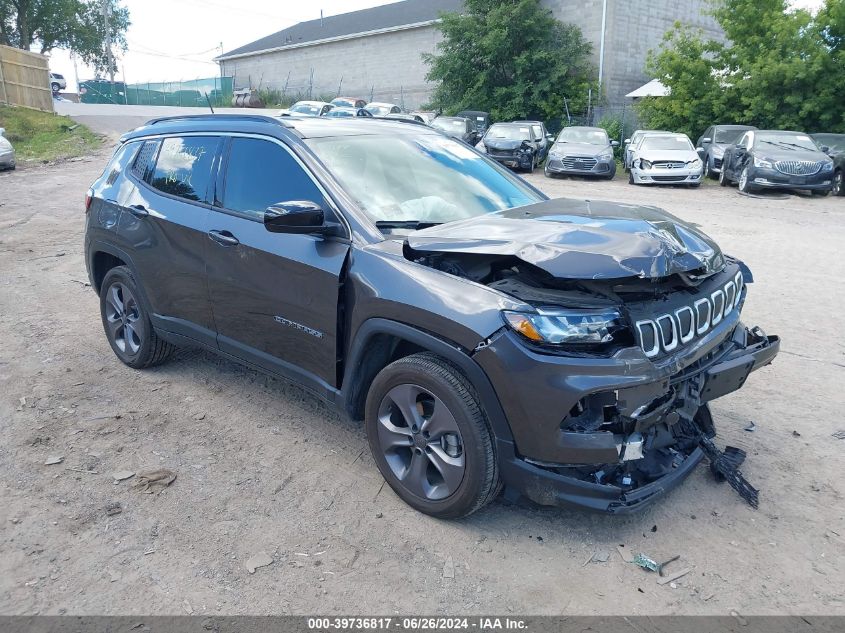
pixel 414 225
pixel 785 144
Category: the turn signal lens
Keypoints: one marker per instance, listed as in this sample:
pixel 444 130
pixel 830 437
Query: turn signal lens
pixel 521 324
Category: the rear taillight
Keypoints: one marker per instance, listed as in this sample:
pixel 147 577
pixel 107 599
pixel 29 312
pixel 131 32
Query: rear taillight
pixel 89 196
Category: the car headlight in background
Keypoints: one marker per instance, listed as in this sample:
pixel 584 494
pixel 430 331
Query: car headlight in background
pixel 694 164
pixel 553 326
pixel 762 162
pixel 645 164
pixel 480 147
pixel 605 156
pixel 828 166
pixel 718 152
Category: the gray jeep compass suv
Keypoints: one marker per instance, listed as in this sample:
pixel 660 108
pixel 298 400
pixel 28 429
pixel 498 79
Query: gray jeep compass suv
pixel 488 337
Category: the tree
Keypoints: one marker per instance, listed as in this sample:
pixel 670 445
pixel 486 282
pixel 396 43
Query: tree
pixel 510 58
pixel 75 25
pixel 778 68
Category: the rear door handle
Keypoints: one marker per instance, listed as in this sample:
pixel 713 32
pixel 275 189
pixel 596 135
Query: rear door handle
pixel 224 238
pixel 138 210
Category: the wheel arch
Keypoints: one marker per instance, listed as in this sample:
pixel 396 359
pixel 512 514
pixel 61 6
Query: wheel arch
pixel 379 342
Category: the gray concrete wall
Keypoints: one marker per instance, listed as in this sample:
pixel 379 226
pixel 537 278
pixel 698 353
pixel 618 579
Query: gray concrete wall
pixel 388 65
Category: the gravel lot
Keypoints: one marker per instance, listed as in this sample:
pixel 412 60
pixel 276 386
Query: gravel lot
pixel 264 467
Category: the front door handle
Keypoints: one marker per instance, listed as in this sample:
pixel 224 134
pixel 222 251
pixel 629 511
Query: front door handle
pixel 224 238
pixel 138 210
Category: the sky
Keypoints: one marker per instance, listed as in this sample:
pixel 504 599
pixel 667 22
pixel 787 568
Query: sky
pixel 171 40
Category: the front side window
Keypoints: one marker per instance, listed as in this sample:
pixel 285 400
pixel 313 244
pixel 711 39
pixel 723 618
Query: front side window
pixel 183 168
pixel 728 136
pixel 260 174
pixel 424 178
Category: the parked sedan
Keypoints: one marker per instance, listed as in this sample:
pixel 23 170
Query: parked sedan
pixel 776 159
pixel 834 145
pixel 378 109
pixel 307 109
pixel 456 127
pixel 57 82
pixel 512 144
pixel 542 133
pixel 714 141
pixel 582 151
pixel 668 159
pixel 7 154
pixel 348 102
pixel 346 113
pixel 631 143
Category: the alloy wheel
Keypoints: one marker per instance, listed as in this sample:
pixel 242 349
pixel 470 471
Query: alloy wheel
pixel 837 184
pixel 421 442
pixel 743 180
pixel 122 316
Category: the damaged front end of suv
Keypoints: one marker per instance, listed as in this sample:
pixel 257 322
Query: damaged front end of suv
pixel 631 326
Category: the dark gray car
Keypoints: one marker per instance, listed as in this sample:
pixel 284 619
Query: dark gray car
pixel 714 141
pixel 834 145
pixel 457 127
pixel 582 151
pixel 487 337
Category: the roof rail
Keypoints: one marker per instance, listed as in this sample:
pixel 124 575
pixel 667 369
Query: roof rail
pixel 219 117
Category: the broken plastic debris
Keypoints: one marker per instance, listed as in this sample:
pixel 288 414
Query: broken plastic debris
pixel 261 559
pixel 751 427
pixel 840 434
pixel 121 475
pixel 54 459
pixel 645 562
pixel 725 466
pixel 156 480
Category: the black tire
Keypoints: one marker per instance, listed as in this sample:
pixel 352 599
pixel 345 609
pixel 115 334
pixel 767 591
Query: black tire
pixel 127 327
pixel 612 173
pixel 745 185
pixel 838 189
pixel 547 173
pixel 631 178
pixel 723 176
pixel 55 87
pixel 435 383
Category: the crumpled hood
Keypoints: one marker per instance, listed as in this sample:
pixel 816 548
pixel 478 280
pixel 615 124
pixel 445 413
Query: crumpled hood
pixel 502 144
pixel 579 239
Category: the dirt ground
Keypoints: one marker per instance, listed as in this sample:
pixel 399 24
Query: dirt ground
pixel 263 467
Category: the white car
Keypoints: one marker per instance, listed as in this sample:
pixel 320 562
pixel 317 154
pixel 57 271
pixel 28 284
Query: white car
pixel 57 82
pixel 7 153
pixel 669 159
pixel 307 108
pixel 381 110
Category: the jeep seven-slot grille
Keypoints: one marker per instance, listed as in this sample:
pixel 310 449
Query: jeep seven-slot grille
pixel 798 167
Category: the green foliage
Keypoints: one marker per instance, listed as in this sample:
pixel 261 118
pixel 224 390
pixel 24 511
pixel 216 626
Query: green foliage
pixel 75 25
pixel 510 58
pixel 612 124
pixel 780 68
pixel 44 136
pixel 273 98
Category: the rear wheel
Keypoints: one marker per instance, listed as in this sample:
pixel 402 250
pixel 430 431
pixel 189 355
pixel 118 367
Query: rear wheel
pixel 429 437
pixel 56 87
pixel 723 176
pixel 127 324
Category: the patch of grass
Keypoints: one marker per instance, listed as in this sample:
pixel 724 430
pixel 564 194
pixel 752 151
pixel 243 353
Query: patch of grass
pixel 44 136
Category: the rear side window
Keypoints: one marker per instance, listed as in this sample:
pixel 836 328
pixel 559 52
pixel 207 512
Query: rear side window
pixel 142 168
pixel 260 174
pixel 183 167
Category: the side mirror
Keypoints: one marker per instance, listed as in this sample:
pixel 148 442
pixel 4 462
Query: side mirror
pixel 614 143
pixel 700 151
pixel 550 138
pixel 627 141
pixel 824 148
pixel 706 141
pixel 295 216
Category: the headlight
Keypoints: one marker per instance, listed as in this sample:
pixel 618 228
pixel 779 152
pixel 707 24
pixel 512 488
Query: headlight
pixel 480 147
pixel 762 162
pixel 718 152
pixel 554 326
pixel 694 164
pixel 828 166
pixel 555 155
pixel 645 164
pixel 606 156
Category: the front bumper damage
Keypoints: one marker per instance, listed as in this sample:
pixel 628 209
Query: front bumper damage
pixel 632 434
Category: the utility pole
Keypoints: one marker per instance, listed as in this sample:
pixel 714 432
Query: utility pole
pixel 106 14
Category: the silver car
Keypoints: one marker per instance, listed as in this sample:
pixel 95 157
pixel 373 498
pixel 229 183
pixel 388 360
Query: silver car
pixel 582 151
pixel 665 159
pixel 7 154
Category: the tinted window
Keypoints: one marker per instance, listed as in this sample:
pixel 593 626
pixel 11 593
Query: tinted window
pixel 184 167
pixel 260 174
pixel 143 167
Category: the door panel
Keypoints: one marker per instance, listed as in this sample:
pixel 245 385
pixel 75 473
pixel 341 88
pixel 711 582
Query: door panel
pixel 165 226
pixel 274 296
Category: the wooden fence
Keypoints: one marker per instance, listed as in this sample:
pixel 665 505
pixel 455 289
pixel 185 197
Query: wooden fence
pixel 25 79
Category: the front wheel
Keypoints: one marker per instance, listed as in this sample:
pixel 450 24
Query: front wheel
pixel 430 438
pixel 55 87
pixel 723 176
pixel 127 323
pixel 837 184
pixel 745 185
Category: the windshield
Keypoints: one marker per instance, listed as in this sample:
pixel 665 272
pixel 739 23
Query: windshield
pixel 450 125
pixel 378 110
pixel 304 108
pixel 509 133
pixel 591 137
pixel 669 143
pixel 728 136
pixel 344 102
pixel 787 141
pixel 836 142
pixel 425 178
